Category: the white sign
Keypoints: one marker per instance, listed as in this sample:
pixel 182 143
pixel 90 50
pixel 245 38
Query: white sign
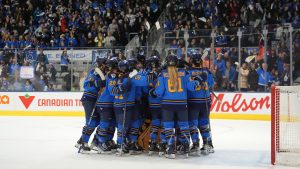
pixel 42 101
pixel 27 72
pixel 82 55
pixel 243 103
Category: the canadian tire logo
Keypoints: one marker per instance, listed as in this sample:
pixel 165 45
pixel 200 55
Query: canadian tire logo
pixel 26 100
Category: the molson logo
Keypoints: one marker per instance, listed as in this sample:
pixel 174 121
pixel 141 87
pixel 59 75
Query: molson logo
pixel 240 103
pixel 26 100
pixel 4 99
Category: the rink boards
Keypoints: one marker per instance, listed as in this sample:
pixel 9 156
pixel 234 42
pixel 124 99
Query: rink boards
pixel 243 106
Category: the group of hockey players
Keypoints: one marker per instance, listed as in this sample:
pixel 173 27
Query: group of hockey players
pixel 119 95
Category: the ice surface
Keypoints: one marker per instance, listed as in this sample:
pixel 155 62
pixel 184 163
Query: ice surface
pixel 48 143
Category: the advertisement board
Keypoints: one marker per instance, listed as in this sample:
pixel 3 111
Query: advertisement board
pixel 251 106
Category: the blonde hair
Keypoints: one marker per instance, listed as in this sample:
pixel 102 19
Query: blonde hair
pixel 173 76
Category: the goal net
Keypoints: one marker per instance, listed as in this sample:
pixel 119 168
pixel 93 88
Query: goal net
pixel 285 125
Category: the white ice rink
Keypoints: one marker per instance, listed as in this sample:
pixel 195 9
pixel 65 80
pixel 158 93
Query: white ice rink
pixel 48 143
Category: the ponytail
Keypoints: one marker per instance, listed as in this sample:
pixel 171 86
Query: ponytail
pixel 173 76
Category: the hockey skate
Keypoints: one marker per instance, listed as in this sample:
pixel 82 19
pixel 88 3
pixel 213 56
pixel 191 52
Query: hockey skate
pixel 179 147
pixel 186 149
pixel 134 148
pixel 153 148
pixel 195 150
pixel 84 148
pixel 94 144
pixel 122 149
pixel 104 148
pixel 207 148
pixel 161 149
pixel 112 145
pixel 170 152
pixel 79 142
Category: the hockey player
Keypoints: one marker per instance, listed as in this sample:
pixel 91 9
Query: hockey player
pixel 124 107
pixel 104 107
pixel 94 81
pixel 172 87
pixel 155 110
pixel 199 107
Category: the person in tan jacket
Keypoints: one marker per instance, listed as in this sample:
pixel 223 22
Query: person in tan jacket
pixel 244 71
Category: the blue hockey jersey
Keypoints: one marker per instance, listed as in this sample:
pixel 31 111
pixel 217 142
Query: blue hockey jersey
pixel 166 91
pixel 106 99
pixel 201 94
pixel 129 97
pixel 91 86
pixel 153 102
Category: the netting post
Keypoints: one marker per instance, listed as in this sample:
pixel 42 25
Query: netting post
pixel 273 127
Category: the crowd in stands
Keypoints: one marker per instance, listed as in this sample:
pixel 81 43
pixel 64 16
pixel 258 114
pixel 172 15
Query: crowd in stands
pixel 92 23
pixel 225 17
pixel 73 23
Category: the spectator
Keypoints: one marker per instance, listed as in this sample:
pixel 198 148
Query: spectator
pixel 220 64
pixel 143 36
pixel 5 84
pixel 42 58
pixel 4 69
pixel 113 26
pixel 41 69
pixel 272 60
pixel 264 78
pixel 14 67
pixel 244 72
pixel 50 87
pixel 64 61
pixel 17 86
pixel 275 77
pixel 28 87
pixel 90 41
pixel 110 40
pixel 100 40
pixel 253 78
pixel 53 73
pixel 285 76
pixel 229 77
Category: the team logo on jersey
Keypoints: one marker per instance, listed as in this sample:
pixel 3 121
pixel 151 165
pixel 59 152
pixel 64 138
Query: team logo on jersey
pixel 27 100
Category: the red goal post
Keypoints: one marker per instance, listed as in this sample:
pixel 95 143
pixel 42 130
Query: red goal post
pixel 285 125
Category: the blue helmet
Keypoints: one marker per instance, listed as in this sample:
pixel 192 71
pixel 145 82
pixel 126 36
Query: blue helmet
pixel 141 58
pixel 196 59
pixel 131 63
pixel 123 65
pixel 112 63
pixel 101 60
pixel 171 60
pixel 153 62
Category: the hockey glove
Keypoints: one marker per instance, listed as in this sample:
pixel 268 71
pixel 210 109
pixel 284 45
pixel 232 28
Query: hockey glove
pixel 124 87
pixel 133 73
pixel 201 78
pixel 100 83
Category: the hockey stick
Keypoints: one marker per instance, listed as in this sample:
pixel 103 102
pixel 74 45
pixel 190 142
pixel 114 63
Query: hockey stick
pixel 124 116
pixel 220 101
pixel 208 111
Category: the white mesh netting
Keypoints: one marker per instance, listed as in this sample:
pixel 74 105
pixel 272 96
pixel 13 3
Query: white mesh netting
pixel 287 125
